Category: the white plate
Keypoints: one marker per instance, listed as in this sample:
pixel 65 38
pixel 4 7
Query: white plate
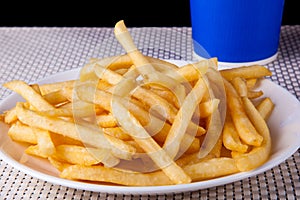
pixel 284 124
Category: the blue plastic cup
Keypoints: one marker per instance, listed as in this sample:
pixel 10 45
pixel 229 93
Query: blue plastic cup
pixel 237 32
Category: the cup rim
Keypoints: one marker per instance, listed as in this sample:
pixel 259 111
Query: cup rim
pixel 228 65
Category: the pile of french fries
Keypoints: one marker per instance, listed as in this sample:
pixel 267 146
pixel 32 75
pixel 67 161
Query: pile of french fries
pixel 136 120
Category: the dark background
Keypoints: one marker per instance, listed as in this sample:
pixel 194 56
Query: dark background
pixel 84 13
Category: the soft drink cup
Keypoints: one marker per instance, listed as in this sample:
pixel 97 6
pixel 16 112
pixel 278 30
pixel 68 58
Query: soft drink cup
pixel 237 32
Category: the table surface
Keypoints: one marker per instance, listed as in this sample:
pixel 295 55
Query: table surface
pixel 31 53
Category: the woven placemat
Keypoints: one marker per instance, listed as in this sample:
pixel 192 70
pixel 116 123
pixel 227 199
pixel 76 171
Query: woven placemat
pixel 33 53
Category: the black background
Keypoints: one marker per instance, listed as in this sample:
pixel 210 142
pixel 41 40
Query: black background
pixel 83 13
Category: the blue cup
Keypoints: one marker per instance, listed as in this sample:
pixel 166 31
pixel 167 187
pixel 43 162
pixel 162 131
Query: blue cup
pixel 237 32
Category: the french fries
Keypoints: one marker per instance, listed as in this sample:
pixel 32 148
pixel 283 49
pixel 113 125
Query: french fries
pixel 135 120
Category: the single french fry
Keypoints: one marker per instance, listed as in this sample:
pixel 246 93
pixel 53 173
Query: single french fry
pixel 81 155
pixel 231 139
pixel 10 116
pixel 258 155
pixel 240 86
pixel 246 72
pixel 112 175
pixel 22 133
pixel 265 108
pixel 254 94
pixel 245 128
pixel 29 94
pixel 211 168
